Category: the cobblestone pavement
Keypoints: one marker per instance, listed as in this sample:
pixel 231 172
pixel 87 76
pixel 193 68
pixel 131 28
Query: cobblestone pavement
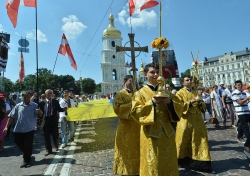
pixel 93 153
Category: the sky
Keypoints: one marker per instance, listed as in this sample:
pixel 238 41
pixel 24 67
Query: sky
pixel 213 27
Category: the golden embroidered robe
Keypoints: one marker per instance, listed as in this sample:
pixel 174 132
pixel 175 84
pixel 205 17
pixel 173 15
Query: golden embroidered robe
pixel 191 133
pixel 157 136
pixel 127 140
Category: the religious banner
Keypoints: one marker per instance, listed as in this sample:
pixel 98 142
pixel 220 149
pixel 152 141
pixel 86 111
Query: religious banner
pixel 169 63
pixel 3 53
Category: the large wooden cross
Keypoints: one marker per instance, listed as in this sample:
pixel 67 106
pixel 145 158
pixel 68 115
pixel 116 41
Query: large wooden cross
pixel 132 48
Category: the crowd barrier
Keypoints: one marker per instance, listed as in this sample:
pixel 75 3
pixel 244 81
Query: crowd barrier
pixel 91 110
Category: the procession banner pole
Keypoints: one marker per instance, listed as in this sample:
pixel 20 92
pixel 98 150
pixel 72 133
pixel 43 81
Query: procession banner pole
pixel 37 89
pixel 160 43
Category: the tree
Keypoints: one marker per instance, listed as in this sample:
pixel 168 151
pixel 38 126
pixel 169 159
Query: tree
pixel 169 81
pixel 88 85
pixel 8 85
pixel 66 82
pixel 29 82
pixel 44 72
pixel 186 73
pixel 98 87
pixel 18 87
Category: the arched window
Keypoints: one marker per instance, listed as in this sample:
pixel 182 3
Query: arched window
pixel 114 76
pixel 113 44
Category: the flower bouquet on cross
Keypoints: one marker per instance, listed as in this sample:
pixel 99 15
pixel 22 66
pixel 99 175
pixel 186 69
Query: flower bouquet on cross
pixel 159 43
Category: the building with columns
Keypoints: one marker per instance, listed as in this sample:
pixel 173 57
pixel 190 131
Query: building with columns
pixel 226 68
pixel 113 64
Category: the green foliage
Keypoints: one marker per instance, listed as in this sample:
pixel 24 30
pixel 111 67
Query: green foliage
pixel 88 85
pixel 44 72
pixel 66 82
pixel 169 81
pixel 98 87
pixel 186 73
pixel 29 82
pixel 8 85
pixel 48 81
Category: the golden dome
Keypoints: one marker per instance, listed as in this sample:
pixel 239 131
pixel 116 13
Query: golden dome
pixel 111 30
pixel 142 69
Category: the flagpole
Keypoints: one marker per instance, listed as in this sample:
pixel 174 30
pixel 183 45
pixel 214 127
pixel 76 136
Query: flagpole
pixel 160 18
pixel 36 58
pixel 55 64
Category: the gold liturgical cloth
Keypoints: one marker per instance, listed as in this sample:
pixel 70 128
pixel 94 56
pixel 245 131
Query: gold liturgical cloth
pixel 157 136
pixel 127 141
pixel 191 132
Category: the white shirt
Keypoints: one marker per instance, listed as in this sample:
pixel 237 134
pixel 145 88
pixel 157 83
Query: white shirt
pixel 63 103
pixel 7 107
pixel 240 108
pixel 206 99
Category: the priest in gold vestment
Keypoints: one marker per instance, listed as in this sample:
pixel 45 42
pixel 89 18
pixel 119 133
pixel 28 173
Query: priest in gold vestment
pixel 191 133
pixel 157 136
pixel 127 140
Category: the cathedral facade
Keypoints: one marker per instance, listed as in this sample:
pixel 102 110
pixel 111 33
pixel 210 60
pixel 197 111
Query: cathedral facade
pixel 113 63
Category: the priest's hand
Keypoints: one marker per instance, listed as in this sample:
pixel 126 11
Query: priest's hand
pixel 193 101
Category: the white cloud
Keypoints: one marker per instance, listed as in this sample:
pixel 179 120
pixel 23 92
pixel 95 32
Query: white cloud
pixel 11 54
pixel 16 33
pixel 139 19
pixel 1 27
pixel 41 37
pixel 72 27
pixel 121 17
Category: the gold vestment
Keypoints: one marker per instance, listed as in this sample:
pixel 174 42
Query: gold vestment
pixel 157 136
pixel 191 133
pixel 127 140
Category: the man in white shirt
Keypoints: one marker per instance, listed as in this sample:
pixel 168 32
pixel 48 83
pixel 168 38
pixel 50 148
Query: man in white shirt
pixel 66 102
pixel 240 101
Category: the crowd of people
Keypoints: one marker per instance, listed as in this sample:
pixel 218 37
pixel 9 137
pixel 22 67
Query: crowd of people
pixel 22 115
pixel 156 135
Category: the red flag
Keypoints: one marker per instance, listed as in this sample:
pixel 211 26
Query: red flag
pixel 131 7
pixel 62 48
pixel 12 10
pixel 148 4
pixel 21 68
pixel 65 48
pixel 30 3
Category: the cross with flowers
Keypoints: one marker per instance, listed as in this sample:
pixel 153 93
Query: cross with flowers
pixel 196 73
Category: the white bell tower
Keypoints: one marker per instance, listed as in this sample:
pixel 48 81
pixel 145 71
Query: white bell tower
pixel 113 64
